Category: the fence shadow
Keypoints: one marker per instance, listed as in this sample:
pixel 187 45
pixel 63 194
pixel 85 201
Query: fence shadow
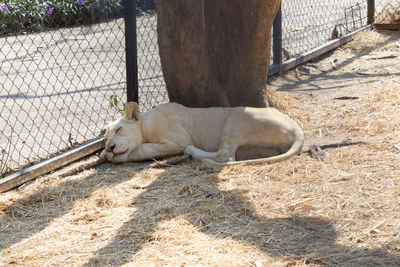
pixel 294 83
pixel 225 214
pixel 33 213
pixel 199 200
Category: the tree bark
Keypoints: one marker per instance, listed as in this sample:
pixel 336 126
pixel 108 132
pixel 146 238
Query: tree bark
pixel 216 53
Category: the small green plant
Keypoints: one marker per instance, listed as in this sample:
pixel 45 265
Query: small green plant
pixel 3 165
pixel 113 100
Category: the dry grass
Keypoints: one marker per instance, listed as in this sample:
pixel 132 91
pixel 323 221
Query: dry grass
pixel 367 42
pixel 343 211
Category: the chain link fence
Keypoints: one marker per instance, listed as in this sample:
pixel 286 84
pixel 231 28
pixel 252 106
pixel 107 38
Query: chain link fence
pixel 63 74
pixel 151 82
pixel 318 22
pixel 309 24
pixel 387 11
pixel 59 68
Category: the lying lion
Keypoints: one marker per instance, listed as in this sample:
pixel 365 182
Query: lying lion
pixel 215 135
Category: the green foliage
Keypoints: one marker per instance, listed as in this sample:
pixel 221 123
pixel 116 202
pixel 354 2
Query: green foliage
pixel 3 165
pixel 18 16
pixel 145 6
pixel 113 100
pixel 25 16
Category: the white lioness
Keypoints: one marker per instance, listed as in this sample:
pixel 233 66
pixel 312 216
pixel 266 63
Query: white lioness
pixel 216 135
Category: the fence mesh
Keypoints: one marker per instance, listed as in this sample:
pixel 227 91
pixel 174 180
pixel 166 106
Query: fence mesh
pixel 316 22
pixel 61 84
pixel 56 84
pixel 387 11
pixel 151 82
pixel 309 24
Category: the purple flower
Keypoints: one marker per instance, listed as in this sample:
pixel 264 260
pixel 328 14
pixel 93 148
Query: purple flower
pixel 80 2
pixel 90 5
pixel 49 10
pixel 4 8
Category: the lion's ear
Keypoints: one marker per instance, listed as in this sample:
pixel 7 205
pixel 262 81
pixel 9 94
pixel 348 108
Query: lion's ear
pixel 132 111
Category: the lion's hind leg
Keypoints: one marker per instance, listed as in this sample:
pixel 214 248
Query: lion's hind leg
pixel 221 156
pixel 198 154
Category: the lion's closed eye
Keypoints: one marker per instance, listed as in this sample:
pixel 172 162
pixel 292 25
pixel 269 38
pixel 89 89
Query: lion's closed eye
pixel 118 130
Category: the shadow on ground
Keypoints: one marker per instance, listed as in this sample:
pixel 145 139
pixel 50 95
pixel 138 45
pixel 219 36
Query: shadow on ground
pixel 225 214
pixel 215 212
pixel 332 76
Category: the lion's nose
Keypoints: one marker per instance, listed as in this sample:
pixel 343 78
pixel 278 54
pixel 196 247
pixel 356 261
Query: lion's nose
pixel 110 149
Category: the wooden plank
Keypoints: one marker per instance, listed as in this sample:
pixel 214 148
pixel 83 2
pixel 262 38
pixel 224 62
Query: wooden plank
pixel 294 62
pixel 386 26
pixel 46 166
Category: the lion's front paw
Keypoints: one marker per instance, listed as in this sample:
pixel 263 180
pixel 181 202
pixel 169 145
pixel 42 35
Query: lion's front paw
pixel 119 158
pixel 104 154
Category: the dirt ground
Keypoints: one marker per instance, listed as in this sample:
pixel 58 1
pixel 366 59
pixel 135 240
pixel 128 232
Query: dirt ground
pixel 338 207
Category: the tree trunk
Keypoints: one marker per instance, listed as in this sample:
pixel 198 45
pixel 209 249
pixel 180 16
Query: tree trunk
pixel 216 53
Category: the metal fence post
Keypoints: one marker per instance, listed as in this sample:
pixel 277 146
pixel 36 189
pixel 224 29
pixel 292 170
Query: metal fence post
pixel 131 51
pixel 371 11
pixel 277 39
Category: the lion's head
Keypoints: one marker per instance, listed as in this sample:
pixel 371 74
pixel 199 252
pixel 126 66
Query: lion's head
pixel 123 135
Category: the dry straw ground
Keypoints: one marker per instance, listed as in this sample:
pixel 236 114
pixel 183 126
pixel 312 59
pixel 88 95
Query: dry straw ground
pixel 343 210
